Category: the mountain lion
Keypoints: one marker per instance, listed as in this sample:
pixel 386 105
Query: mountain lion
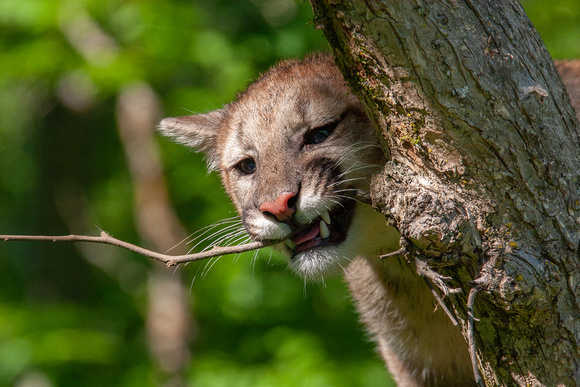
pixel 291 150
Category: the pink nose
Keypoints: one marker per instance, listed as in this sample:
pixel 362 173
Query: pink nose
pixel 280 208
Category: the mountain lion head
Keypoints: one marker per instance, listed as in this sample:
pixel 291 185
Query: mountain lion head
pixel 291 150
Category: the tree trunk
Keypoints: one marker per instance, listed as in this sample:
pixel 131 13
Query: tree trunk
pixel 483 181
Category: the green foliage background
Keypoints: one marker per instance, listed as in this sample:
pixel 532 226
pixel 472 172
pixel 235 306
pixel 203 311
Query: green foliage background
pixel 67 322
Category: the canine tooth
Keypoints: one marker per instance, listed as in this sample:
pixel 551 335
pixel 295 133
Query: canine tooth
pixel 324 233
pixel 325 217
pixel 291 245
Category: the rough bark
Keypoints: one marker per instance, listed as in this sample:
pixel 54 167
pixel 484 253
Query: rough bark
pixel 483 179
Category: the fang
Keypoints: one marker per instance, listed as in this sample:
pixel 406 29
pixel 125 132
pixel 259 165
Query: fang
pixel 324 232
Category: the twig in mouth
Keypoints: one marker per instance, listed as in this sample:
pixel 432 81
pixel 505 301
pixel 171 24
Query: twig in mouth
pixel 169 260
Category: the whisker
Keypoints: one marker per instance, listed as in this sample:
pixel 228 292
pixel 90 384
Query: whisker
pixel 355 168
pixel 253 262
pixel 218 235
pixel 205 265
pixel 347 190
pixel 202 230
pixel 205 229
pixel 241 238
pixel 334 199
pixel 357 147
pixel 226 240
pixel 236 257
pixel 211 235
pixel 207 269
pixel 191 286
pixel 347 259
pixel 351 198
pixel 269 259
pixel 346 181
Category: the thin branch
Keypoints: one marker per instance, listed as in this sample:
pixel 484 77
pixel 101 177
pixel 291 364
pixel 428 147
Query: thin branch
pixel 169 260
pixel 404 243
pixel 424 270
pixel 471 334
pixel 401 251
pixel 440 302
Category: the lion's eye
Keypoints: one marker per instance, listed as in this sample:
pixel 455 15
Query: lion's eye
pixel 247 166
pixel 320 134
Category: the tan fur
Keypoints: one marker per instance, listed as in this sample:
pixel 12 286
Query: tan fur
pixel 570 72
pixel 271 124
pixel 418 343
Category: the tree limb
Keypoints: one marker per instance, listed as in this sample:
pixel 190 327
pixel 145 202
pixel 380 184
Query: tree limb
pixel 169 260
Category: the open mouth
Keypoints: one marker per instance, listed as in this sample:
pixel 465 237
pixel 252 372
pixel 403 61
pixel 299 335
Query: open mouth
pixel 330 228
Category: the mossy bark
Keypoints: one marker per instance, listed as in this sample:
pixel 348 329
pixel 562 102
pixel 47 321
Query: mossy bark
pixel 484 173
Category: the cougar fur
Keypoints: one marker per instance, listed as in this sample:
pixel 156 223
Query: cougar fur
pixel 291 151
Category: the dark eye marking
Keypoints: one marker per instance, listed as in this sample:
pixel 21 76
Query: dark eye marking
pixel 247 166
pixel 320 134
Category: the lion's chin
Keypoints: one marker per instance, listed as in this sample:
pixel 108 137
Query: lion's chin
pixel 319 262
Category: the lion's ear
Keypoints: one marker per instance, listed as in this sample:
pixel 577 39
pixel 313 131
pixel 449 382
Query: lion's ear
pixel 199 131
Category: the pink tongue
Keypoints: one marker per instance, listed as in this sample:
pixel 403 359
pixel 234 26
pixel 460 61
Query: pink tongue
pixel 307 235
